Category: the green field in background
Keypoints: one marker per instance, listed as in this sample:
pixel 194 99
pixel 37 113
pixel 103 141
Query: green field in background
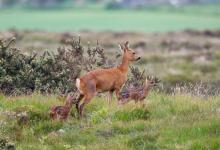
pixel 163 19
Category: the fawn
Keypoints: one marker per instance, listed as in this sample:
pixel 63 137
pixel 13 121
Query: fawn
pixel 138 94
pixel 62 112
pixel 104 80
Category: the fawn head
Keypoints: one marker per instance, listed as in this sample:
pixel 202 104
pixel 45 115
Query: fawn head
pixel 129 54
pixel 152 81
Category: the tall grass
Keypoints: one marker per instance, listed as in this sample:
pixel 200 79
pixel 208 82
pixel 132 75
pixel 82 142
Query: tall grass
pixel 165 122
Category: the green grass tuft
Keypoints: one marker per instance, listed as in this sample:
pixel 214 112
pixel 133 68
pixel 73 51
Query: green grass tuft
pixel 129 115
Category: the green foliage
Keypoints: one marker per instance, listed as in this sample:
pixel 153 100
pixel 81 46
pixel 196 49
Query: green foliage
pixel 99 115
pixel 46 73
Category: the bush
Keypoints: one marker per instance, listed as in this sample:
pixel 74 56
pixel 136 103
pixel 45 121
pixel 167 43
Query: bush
pixel 49 72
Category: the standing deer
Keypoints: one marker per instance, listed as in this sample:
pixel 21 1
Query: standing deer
pixel 104 80
pixel 62 112
pixel 138 94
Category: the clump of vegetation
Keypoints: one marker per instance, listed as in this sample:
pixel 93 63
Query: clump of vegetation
pixel 129 115
pixel 136 78
pixel 49 72
pixel 146 141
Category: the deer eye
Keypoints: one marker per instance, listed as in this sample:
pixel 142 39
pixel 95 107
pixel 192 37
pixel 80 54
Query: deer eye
pixel 134 53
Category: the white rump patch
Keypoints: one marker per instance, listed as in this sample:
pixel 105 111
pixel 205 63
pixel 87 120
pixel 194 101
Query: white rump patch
pixel 78 84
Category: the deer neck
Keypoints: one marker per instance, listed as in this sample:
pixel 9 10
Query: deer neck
pixel 146 89
pixel 124 65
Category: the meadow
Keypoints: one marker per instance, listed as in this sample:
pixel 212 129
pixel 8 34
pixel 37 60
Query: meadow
pixel 178 45
pixel 158 19
pixel 177 121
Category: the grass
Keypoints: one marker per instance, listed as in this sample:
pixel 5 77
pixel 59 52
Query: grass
pixel 165 122
pixel 160 19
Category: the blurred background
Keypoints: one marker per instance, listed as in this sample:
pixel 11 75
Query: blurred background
pixel 111 15
pixel 179 40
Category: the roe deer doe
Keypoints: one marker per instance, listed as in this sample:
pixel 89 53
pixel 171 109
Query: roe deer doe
pixel 138 94
pixel 104 80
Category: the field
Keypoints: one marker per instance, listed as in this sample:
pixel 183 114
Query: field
pixel 180 46
pixel 189 56
pixel 165 122
pixel 186 119
pixel 99 19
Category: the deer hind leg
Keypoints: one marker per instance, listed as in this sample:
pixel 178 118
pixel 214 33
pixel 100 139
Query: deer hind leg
pixel 86 100
pixel 89 93
pixel 78 101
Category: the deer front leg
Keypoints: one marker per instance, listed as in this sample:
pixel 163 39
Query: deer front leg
pixel 117 93
pixel 110 97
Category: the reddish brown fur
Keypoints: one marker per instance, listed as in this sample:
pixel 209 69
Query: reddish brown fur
pixel 103 80
pixel 62 112
pixel 139 94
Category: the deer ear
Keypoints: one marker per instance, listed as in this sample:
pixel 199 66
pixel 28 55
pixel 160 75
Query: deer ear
pixel 126 45
pixel 122 48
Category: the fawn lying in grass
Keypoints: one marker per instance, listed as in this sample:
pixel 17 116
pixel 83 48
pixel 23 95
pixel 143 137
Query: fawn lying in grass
pixel 62 112
pixel 138 94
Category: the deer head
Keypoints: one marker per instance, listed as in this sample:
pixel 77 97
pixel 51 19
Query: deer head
pixel 129 54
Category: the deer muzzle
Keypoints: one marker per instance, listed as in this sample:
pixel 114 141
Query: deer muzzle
pixel 138 58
